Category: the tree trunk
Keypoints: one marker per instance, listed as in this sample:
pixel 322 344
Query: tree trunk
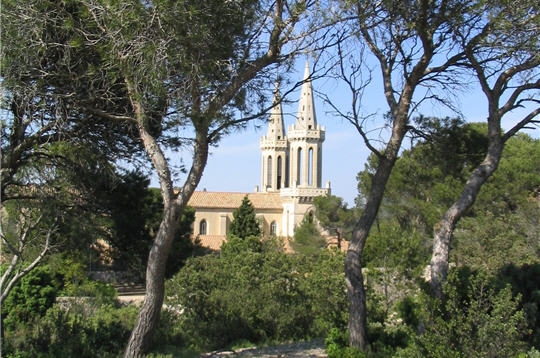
pixel 353 262
pixel 357 298
pixel 141 336
pixel 444 230
pixel 173 208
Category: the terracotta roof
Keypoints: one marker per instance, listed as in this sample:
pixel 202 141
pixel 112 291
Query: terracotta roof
pixel 211 199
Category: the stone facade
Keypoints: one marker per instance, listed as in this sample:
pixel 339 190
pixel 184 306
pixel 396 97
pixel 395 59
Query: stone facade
pixel 291 176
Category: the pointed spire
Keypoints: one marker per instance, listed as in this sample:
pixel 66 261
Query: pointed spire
pixel 306 109
pixel 276 127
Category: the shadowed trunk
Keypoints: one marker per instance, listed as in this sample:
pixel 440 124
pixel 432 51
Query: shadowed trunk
pixel 357 297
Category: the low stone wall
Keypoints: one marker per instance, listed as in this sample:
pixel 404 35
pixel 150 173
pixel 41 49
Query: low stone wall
pixel 114 277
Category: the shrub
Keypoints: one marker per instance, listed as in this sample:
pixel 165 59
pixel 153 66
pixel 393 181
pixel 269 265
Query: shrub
pixel 337 345
pixel 30 298
pixel 255 292
pixel 62 333
pixel 475 319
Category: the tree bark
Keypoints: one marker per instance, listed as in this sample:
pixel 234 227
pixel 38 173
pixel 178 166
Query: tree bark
pixel 174 205
pixel 173 208
pixel 356 293
pixel 353 261
pixel 445 228
pixel 148 317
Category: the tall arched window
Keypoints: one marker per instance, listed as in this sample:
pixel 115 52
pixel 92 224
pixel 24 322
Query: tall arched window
pixel 203 227
pixel 269 171
pixel 279 172
pixel 299 167
pixel 273 228
pixel 310 167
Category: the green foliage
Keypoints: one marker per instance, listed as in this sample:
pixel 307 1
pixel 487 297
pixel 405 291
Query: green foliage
pixel 476 319
pixel 516 178
pixel 333 215
pixel 257 295
pixel 454 146
pixel 326 284
pixel 169 339
pixel 73 280
pixel 525 283
pixel 245 223
pixel 235 246
pixel 502 228
pixel 30 298
pixel 307 237
pixel 492 241
pixel 337 345
pixel 397 250
pixel 102 331
pixel 428 178
pixel 498 237
pixel 135 214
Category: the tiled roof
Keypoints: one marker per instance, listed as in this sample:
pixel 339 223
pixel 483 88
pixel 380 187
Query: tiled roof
pixel 211 199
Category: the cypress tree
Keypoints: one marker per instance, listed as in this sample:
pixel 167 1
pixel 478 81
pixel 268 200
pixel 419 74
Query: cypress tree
pixel 245 223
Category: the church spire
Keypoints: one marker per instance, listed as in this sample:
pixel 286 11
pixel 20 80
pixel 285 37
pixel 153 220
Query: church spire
pixel 305 141
pixel 276 127
pixel 306 109
pixel 274 149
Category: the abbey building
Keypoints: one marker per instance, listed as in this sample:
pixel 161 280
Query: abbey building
pixel 291 177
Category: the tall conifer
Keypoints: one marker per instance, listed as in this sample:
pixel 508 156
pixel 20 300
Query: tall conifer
pixel 245 223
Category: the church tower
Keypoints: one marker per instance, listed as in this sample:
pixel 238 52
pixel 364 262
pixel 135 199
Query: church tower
pixel 274 150
pixel 292 164
pixel 305 141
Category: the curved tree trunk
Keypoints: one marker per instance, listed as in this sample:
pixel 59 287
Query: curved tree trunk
pixel 173 208
pixel 445 228
pixel 141 336
pixel 148 317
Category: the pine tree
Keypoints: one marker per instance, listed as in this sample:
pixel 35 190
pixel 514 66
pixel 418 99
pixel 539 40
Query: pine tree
pixel 245 223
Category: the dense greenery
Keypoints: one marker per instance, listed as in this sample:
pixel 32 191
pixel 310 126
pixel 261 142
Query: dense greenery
pixel 491 292
pixel 253 291
pixel 135 213
pixel 307 237
pixel 334 216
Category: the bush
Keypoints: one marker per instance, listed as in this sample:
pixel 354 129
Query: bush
pixel 62 333
pixel 255 292
pixel 30 298
pixel 475 319
pixel 87 324
pixel 337 345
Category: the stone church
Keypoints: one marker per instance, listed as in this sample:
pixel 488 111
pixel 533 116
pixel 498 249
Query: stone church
pixel 291 177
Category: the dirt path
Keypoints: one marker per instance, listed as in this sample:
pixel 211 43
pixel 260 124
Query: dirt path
pixel 314 349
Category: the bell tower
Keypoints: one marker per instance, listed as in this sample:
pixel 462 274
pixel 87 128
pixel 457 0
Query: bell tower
pixel 305 141
pixel 292 163
pixel 274 150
